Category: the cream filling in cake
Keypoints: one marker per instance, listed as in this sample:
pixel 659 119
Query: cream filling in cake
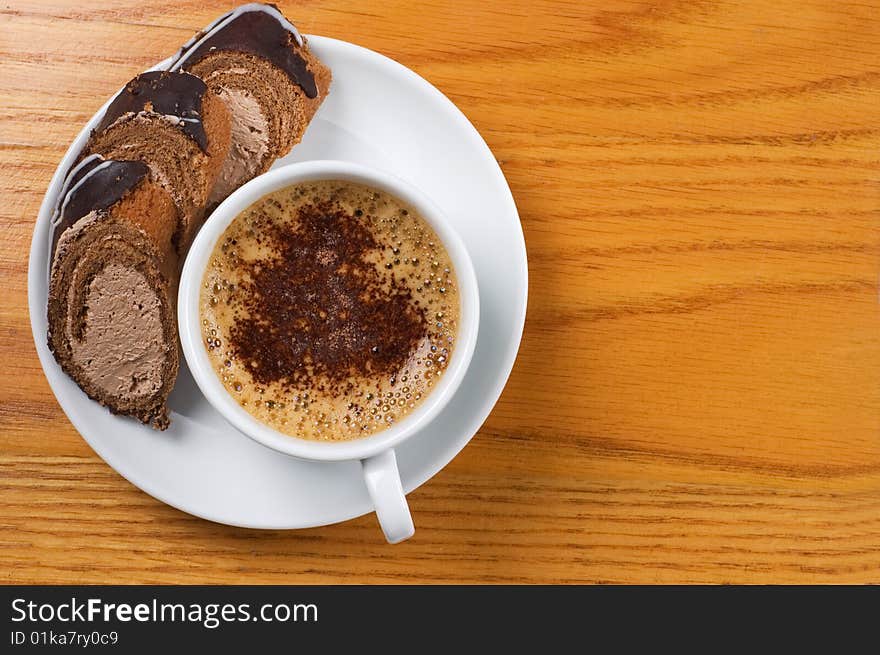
pixel 121 349
pixel 249 143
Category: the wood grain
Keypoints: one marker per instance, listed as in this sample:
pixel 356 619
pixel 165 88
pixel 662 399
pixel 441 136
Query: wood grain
pixel 697 397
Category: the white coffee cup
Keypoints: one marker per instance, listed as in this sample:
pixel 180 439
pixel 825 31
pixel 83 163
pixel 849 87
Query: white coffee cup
pixel 376 452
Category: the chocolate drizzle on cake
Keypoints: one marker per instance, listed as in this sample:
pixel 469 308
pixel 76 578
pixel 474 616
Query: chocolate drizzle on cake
pixel 94 185
pixel 319 313
pixel 255 29
pixel 176 95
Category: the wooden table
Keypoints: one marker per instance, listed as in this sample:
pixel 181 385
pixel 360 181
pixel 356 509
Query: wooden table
pixel 697 397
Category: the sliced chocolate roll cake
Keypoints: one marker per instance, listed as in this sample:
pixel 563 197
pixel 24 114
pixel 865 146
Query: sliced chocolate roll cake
pixel 112 325
pixel 179 128
pixel 257 62
pixel 170 146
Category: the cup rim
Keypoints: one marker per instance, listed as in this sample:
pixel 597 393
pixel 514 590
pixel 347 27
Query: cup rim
pixel 197 357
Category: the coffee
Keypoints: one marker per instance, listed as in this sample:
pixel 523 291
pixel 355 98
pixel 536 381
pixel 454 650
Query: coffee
pixel 329 310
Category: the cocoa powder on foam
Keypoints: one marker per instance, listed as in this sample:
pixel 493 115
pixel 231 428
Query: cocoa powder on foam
pixel 329 310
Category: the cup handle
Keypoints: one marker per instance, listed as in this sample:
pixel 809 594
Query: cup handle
pixel 383 483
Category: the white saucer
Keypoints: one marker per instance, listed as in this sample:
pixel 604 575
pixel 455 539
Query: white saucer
pixel 381 114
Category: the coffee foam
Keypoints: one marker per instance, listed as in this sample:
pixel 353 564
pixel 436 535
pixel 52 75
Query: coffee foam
pixel 370 374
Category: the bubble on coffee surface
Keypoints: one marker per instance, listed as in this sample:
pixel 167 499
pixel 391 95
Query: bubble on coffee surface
pixel 330 310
